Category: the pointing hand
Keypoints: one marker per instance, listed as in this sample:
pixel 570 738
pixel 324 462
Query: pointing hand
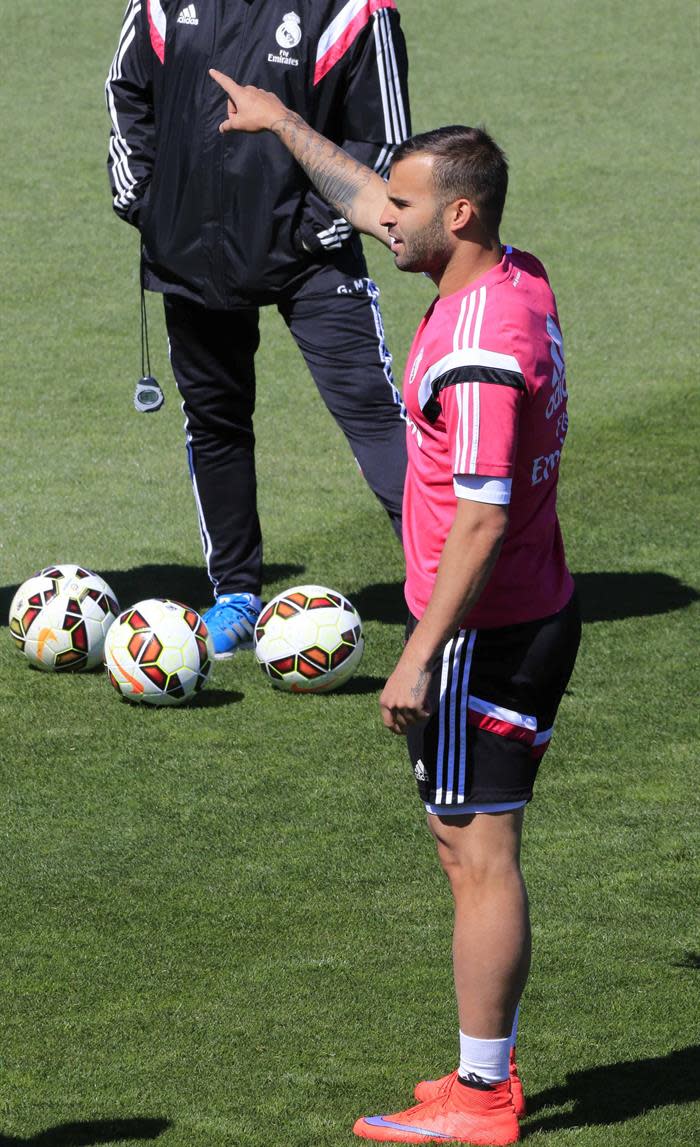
pixel 249 109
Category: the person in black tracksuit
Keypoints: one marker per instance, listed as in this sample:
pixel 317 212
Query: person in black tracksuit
pixel 231 224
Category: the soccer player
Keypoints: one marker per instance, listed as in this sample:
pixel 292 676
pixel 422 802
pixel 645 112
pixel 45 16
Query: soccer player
pixel 493 626
pixel 231 224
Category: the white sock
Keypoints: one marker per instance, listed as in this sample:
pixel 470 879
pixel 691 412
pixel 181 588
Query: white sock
pixel 483 1060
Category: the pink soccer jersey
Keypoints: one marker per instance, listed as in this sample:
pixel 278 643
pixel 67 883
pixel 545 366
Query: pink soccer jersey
pixel 485 392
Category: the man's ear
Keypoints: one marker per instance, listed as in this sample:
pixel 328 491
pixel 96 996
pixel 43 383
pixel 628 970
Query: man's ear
pixel 460 214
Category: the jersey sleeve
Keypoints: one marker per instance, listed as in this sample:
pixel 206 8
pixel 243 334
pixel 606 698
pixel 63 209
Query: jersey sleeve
pixel 362 58
pixel 129 98
pixel 478 394
pixel 376 113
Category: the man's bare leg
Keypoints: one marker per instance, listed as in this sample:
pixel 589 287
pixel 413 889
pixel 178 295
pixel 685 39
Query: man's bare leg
pixel 491 947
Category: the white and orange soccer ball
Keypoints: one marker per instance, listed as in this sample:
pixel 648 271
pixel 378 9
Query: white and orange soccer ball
pixel 309 639
pixel 60 618
pixel 159 652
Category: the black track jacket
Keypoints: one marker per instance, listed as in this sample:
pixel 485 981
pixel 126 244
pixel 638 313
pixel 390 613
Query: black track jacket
pixel 231 219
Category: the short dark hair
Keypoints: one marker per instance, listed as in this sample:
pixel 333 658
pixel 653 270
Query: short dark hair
pixel 469 163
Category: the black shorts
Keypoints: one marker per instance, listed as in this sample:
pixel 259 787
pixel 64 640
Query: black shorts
pixel 494 694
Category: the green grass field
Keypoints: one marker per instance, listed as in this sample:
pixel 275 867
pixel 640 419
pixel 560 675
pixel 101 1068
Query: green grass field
pixel 224 926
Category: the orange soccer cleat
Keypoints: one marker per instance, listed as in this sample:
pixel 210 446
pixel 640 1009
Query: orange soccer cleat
pixel 430 1088
pixel 516 1087
pixel 459 1114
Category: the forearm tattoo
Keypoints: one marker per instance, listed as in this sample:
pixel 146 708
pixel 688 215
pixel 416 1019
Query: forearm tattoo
pixel 417 689
pixel 336 176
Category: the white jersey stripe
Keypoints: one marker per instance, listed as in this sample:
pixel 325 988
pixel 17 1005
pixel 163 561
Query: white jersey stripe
pixel 476 410
pixel 460 458
pixel 398 111
pixel 471 300
pixel 114 159
pixel 464 392
pixel 119 162
pixel 388 130
pixel 463 396
pixel 470 341
pixel 119 148
pixel 388 80
pixel 457 462
pixel 125 37
pixel 157 15
pixel 480 317
pixel 460 320
pixel 339 36
pixel 129 18
pixel 338 25
pixel 468 322
pixel 383 161
pixel 124 179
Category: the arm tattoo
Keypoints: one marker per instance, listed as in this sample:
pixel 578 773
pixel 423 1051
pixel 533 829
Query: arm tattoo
pixel 417 689
pixel 336 176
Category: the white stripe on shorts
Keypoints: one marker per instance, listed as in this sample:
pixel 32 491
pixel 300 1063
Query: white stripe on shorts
pixel 451 764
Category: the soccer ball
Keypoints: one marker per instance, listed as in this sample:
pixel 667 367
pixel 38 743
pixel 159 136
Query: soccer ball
pixel 60 617
pixel 309 639
pixel 159 652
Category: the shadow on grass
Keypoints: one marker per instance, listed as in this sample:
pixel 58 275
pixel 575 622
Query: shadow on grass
pixel 189 584
pixel 361 685
pixel 216 698
pixel 603 596
pixel 381 602
pixel 90 1133
pixel 208 699
pixel 619 1091
pixel 357 685
pixel 689 960
pixel 614 596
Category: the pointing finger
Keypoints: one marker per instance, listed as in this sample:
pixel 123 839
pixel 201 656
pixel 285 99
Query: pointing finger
pixel 225 82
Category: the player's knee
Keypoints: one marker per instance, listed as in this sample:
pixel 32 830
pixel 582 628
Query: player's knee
pixel 471 871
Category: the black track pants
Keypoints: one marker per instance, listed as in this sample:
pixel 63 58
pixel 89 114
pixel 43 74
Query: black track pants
pixel 212 355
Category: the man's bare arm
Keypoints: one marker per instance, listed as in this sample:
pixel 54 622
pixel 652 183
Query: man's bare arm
pixel 354 190
pixel 468 557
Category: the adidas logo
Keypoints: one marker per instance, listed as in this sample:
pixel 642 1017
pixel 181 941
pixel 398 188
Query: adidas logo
pixel 420 772
pixel 188 15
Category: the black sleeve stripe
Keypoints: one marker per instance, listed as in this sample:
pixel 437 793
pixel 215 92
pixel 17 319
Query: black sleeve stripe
pixel 490 374
pixel 432 409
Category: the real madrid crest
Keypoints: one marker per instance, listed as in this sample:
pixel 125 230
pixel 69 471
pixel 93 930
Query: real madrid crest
pixel 288 34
